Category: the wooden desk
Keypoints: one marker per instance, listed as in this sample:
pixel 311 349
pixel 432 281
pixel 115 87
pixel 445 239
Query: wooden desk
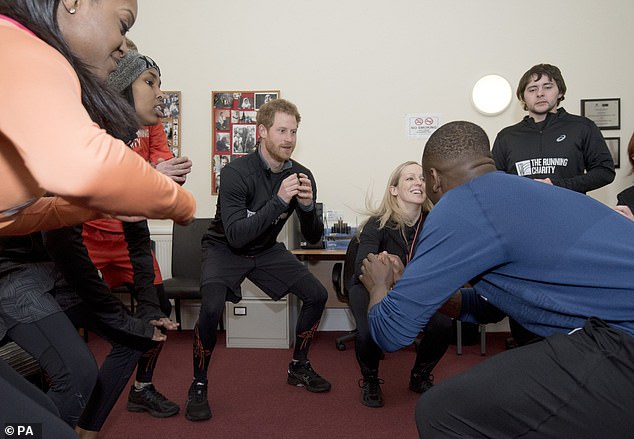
pixel 320 263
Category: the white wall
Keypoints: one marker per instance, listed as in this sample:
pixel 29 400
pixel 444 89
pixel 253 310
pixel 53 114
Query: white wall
pixel 356 68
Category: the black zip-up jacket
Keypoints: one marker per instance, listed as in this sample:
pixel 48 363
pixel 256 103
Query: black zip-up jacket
pixel 18 252
pixel 250 215
pixel 566 148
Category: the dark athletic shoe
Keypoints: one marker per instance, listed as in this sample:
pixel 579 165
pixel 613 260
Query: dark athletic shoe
pixel 302 374
pixel 197 407
pixel 150 400
pixel 420 382
pixel 371 394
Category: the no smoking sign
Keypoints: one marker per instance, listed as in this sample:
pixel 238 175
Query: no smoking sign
pixel 422 125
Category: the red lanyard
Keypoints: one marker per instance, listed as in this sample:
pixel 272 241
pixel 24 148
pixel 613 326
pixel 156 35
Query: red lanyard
pixel 413 244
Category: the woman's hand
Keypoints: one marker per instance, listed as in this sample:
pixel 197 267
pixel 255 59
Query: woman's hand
pixel 164 323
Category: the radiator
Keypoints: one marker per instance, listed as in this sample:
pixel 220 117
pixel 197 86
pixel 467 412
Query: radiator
pixel 163 252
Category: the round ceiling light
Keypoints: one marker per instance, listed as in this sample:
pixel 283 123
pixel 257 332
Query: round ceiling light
pixel 491 95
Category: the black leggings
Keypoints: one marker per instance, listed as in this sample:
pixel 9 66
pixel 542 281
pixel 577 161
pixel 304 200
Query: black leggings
pixel 22 402
pixel 312 294
pixel 434 344
pixel 115 371
pixel 54 342
pixel 147 362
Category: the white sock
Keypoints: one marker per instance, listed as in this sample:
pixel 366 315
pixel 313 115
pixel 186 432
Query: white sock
pixel 140 386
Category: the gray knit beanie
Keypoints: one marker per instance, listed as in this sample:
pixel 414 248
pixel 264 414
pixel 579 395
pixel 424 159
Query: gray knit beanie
pixel 130 67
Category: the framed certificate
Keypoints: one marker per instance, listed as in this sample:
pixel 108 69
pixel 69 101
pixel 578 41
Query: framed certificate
pixel 606 113
pixel 614 145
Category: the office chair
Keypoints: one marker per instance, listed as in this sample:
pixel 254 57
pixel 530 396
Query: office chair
pixel 186 264
pixel 342 274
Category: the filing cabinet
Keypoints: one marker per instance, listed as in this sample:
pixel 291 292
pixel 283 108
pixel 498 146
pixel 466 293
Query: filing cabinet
pixel 257 321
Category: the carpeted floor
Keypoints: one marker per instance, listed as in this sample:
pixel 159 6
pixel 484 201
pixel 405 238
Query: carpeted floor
pixel 250 399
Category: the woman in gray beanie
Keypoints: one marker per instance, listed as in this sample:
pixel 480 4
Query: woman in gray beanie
pixel 122 253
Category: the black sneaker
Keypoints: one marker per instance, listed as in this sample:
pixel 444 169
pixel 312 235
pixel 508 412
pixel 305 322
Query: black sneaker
pixel 371 394
pixel 302 374
pixel 420 382
pixel 150 400
pixel 197 406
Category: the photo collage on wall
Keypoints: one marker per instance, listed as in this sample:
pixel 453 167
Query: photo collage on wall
pixel 171 120
pixel 234 128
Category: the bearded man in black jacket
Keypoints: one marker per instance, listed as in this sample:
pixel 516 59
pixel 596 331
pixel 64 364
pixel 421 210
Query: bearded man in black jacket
pixel 259 193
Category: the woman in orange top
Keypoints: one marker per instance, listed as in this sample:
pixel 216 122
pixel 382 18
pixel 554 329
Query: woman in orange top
pixel 59 131
pixel 59 58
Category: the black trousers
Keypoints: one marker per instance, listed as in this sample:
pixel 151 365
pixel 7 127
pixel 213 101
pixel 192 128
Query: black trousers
pixel 434 344
pixel 277 272
pixel 577 385
pixel 54 342
pixel 22 402
pixel 115 371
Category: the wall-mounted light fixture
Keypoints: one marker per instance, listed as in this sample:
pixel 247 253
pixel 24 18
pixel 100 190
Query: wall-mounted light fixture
pixel 491 95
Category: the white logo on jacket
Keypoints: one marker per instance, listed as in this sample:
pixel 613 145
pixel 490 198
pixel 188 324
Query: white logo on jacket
pixel 545 165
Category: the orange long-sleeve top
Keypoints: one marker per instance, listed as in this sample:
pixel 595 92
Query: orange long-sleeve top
pixel 151 144
pixel 48 143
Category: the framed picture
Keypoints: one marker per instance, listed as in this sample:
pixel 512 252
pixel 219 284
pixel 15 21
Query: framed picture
pixel 234 128
pixel 606 113
pixel 172 120
pixel 614 145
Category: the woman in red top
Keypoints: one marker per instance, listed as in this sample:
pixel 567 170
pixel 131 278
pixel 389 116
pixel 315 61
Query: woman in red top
pixel 122 251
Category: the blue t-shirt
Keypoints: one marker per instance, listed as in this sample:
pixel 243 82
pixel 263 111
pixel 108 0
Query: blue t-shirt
pixel 546 256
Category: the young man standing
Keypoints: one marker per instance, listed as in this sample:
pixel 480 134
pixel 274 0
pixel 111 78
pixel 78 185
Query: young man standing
pixel 259 193
pixel 566 272
pixel 549 144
